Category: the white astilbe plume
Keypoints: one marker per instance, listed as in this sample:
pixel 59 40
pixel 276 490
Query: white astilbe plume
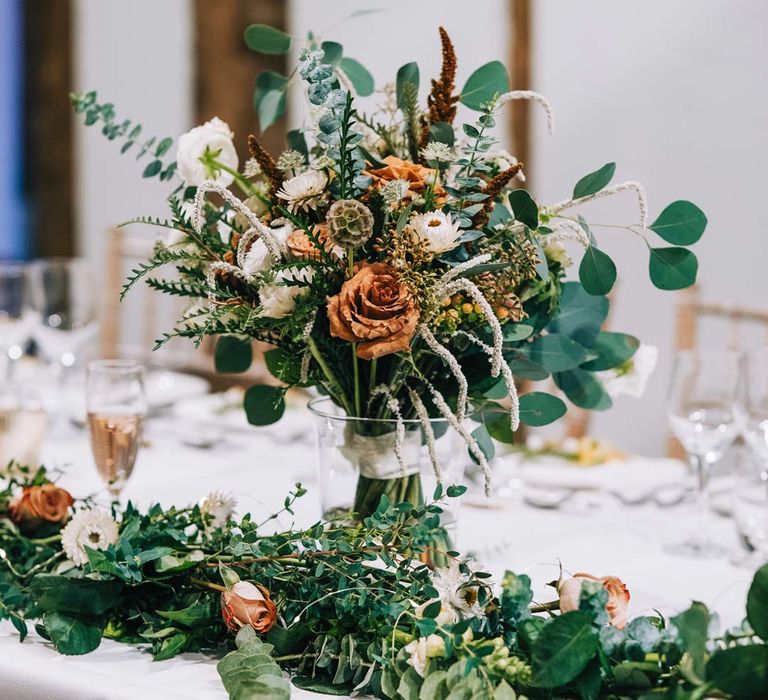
pixel 474 448
pixel 210 277
pixel 630 185
pixel 566 231
pixel 509 380
pixel 534 97
pixel 307 356
pixel 383 390
pixel 453 365
pixel 273 245
pixel 429 434
pixel 242 246
pixel 461 268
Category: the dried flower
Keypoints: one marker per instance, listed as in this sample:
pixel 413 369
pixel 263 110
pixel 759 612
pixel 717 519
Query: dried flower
pixel 268 167
pixel 252 168
pixel 438 230
pixel 248 605
pixel 375 310
pixel 304 192
pixel 88 528
pixel 440 152
pixel 394 192
pixel 290 161
pixel 38 506
pixel 218 508
pixel 350 223
pixel 441 100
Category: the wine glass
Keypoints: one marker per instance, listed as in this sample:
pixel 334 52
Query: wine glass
pixel 702 412
pixel 116 405
pixel 15 314
pixel 753 414
pixel 64 300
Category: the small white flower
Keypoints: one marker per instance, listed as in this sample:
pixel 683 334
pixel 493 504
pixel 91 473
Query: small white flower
pixel 451 588
pixel 423 649
pixel 394 192
pixel 438 229
pixel 305 191
pixel 251 168
pixel 446 616
pixel 278 300
pixel 631 378
pixel 88 528
pixel 219 507
pixel 258 258
pixel 290 161
pixel 212 139
pixel 440 152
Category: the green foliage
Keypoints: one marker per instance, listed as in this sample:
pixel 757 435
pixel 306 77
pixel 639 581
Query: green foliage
pixel 757 603
pixel 583 389
pixel 538 408
pixel 595 181
pixel 556 352
pixel 264 404
pixel 270 97
pixel 742 672
pixel 484 85
pixel 681 223
pixel 672 268
pixel 524 208
pixel 406 75
pixel 597 272
pixel 267 40
pixel 562 649
pixel 233 354
pixel 612 350
pixel 358 75
pixel 581 314
pixel 250 673
pixel 72 634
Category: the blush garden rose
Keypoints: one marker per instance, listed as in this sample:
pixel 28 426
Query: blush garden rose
pixel 618 596
pixel 248 604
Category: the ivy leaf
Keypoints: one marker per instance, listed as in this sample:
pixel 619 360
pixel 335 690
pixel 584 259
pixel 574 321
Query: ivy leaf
pixel 583 389
pixel 409 73
pixel 555 352
pixel 538 408
pixel 264 404
pixel 740 672
pixel 265 39
pixel 613 349
pixel 524 208
pixel 358 75
pixel 595 181
pixel 673 268
pixel 270 97
pixel 757 603
pixel 562 649
pixel 484 84
pixel 73 634
pixel 233 354
pixel 597 272
pixel 681 223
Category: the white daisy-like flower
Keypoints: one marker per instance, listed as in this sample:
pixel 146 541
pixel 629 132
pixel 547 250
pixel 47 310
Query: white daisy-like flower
pixel 251 168
pixel 278 300
pixel 88 528
pixel 305 191
pixel 440 152
pixel 452 589
pixel 438 229
pixel 631 378
pixel 219 507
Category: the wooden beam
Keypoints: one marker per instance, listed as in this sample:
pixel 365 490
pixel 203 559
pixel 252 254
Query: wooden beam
pixel 48 121
pixel 520 60
pixel 227 69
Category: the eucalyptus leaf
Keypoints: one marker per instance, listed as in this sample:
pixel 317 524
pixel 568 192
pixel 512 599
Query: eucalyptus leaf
pixel 555 352
pixel 597 272
pixel 741 672
pixel 233 354
pixel 270 97
pixel 757 603
pixel 583 389
pixel 265 39
pixel 484 442
pixel 332 52
pixel 538 408
pixel 442 132
pixel 673 268
pixel 524 208
pixel 358 75
pixel 487 82
pixel 681 223
pixel 409 73
pixel 693 625
pixel 613 350
pixel 264 404
pixel 595 181
pixel 580 315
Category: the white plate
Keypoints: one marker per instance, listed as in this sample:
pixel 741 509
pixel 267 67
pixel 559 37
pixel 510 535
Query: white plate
pixel 165 388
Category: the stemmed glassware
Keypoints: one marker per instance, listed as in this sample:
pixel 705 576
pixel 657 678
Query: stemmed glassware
pixel 15 314
pixel 702 413
pixel 116 404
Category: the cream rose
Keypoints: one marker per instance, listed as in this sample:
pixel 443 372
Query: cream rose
pixel 213 139
pixel 618 596
pixel 278 300
pixel 258 258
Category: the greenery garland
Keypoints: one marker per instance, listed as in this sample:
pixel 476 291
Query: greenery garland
pixel 343 607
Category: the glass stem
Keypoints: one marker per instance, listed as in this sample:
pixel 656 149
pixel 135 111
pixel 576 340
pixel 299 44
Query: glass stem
pixel 701 469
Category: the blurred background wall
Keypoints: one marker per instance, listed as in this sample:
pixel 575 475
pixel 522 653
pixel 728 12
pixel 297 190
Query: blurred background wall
pixel 673 91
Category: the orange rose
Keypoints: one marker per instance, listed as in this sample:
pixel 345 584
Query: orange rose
pixel 248 604
pixel 618 596
pixel 300 245
pixel 40 505
pixel 418 176
pixel 375 310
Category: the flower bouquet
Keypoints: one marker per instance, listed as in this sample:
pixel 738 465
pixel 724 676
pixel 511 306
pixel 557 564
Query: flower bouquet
pixel 395 261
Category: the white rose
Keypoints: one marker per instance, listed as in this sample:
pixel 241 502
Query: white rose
pixel 214 138
pixel 423 649
pixel 631 378
pixel 279 300
pixel 258 258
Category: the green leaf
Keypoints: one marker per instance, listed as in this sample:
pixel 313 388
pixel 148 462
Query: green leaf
pixel 265 39
pixel 484 442
pixel 284 366
pixel 288 640
pixel 163 146
pixel 583 389
pixel 84 596
pixel 580 315
pixel 409 73
pixel 740 672
pixel 556 352
pixel 250 673
pixel 410 684
pixel 153 168
pixel 757 603
pixel 442 132
pixel 538 408
pixel 318 685
pixel 333 51
pixel 296 141
pixel 73 634
pixel 197 615
pixel 504 692
pixel 562 649
pixel 264 404
pixel 693 625
pixel 597 272
pixel 358 75
pixel 673 268
pixel 233 354
pixel 484 85
pixel 435 687
pixel 172 646
pixel 270 97
pixel 613 349
pixel 524 208
pixel 681 223
pixel 595 181
pixel 499 426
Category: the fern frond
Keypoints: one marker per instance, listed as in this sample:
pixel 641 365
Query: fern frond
pixel 162 256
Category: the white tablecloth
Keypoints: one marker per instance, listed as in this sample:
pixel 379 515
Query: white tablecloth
pixel 609 539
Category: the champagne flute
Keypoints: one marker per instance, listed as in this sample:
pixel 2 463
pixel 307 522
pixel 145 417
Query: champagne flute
pixel 702 412
pixel 116 405
pixel 15 313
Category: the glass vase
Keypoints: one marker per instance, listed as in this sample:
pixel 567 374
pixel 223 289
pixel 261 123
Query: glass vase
pixel 358 463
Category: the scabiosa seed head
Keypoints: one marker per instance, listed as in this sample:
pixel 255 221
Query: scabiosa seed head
pixel 350 223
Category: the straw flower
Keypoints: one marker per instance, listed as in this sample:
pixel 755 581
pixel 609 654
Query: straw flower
pixel 88 528
pixel 438 230
pixel 304 192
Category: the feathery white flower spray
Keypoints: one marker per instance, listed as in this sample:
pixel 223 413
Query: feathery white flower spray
pixel 429 434
pixel 210 277
pixel 461 268
pixel 383 390
pixel 453 365
pixel 566 231
pixel 509 380
pixel 534 97
pixel 270 240
pixel 474 448
pixel 243 243
pixel 630 185
pixel 307 356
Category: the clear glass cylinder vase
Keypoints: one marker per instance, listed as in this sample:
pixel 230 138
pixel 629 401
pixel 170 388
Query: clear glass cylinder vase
pixel 358 462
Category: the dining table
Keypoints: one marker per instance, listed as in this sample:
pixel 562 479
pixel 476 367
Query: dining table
pixel 603 528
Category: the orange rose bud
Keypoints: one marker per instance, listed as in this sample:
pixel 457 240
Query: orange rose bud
pixel 301 246
pixel 248 605
pixel 375 310
pixel 618 596
pixel 40 505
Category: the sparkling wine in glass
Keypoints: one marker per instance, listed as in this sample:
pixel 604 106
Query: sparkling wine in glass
pixel 702 413
pixel 116 405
